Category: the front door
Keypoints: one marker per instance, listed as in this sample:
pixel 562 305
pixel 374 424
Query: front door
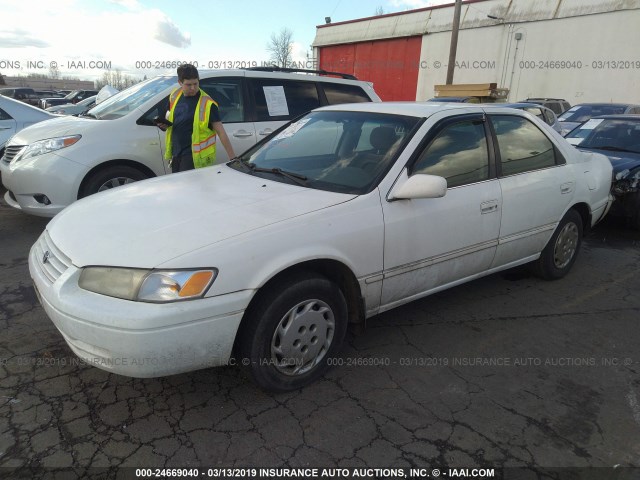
pixel 435 242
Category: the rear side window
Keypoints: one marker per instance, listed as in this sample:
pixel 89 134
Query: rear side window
pixel 338 93
pixel 522 146
pixel 283 99
pixel 4 115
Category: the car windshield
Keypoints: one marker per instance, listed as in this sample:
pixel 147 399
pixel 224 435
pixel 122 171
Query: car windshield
pixel 584 113
pixel 607 134
pixel 128 100
pixel 339 151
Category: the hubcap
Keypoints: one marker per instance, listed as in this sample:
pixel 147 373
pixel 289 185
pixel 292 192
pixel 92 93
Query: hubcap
pixel 115 182
pixel 303 337
pixel 566 245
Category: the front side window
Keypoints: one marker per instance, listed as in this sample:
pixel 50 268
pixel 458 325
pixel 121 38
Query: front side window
pixel 458 153
pixel 522 146
pixel 227 93
pixel 339 151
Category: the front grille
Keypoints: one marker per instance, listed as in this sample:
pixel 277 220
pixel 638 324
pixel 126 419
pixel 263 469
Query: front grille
pixel 10 152
pixel 56 262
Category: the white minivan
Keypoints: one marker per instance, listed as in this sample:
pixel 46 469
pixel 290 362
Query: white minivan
pixel 50 165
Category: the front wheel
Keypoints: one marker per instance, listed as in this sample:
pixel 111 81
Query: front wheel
pixel 292 332
pixel 111 177
pixel 560 254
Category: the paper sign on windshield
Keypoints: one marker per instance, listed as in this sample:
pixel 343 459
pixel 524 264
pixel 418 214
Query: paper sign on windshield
pixel 591 124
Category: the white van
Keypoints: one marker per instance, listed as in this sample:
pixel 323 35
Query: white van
pixel 50 165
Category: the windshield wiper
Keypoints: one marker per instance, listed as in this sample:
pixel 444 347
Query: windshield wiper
pixel 242 163
pixel 295 177
pixel 87 114
pixel 611 148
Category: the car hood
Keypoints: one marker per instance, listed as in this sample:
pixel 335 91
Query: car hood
pixel 148 223
pixel 55 127
pixel 620 161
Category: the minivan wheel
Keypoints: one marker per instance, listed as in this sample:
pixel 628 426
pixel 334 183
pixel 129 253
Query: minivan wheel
pixel 560 254
pixel 111 177
pixel 293 331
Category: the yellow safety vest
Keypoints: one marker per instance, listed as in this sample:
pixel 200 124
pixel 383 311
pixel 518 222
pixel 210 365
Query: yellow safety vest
pixel 203 139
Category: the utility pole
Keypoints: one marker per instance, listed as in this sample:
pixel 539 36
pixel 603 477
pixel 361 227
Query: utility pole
pixel 454 41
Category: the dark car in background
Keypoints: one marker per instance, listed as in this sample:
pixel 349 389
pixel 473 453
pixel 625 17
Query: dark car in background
pixel 73 97
pixel 543 113
pixel 581 113
pixel 617 137
pixel 557 105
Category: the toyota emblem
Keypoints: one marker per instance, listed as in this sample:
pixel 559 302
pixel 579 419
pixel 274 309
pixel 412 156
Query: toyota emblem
pixel 45 257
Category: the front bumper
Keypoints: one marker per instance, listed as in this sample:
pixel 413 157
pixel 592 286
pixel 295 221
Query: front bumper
pixel 135 339
pixel 50 174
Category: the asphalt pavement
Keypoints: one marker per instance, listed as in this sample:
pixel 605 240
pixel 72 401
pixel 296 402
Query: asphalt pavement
pixel 506 371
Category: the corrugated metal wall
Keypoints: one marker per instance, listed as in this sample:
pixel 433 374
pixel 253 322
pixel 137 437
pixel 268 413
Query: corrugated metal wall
pixel 391 64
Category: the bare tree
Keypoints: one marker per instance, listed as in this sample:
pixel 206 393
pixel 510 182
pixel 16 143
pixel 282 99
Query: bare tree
pixel 379 11
pixel 54 71
pixel 116 79
pixel 280 47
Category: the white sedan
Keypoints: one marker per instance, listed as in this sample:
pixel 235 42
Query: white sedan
pixel 345 213
pixel 16 115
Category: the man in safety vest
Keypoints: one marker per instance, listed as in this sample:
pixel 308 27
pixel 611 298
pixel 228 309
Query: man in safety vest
pixel 193 125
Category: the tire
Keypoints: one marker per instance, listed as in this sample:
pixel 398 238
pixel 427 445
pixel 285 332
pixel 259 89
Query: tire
pixel 109 178
pixel 292 332
pixel 561 252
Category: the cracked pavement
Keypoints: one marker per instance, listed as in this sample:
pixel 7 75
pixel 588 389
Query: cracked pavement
pixel 506 371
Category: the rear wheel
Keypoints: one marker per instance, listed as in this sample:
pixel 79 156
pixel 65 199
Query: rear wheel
pixel 560 254
pixel 292 332
pixel 111 177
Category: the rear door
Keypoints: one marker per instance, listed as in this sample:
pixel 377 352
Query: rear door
pixel 277 101
pixel 537 187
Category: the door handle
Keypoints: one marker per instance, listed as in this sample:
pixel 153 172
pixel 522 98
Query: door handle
pixel 488 207
pixel 5 128
pixel 266 131
pixel 242 134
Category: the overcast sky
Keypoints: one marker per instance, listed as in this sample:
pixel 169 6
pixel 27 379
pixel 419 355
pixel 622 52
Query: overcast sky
pixel 81 37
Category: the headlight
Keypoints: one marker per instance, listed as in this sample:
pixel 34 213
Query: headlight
pixel 46 146
pixel 147 285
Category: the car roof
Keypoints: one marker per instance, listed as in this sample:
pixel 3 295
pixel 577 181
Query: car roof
pixel 606 104
pixel 268 74
pixel 449 99
pixel 517 105
pixel 545 99
pixel 415 109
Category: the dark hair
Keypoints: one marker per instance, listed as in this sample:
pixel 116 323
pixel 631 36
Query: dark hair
pixel 187 71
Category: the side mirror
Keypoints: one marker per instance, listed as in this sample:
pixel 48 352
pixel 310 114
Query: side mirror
pixel 420 186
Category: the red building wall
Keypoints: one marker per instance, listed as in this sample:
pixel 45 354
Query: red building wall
pixel 392 64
